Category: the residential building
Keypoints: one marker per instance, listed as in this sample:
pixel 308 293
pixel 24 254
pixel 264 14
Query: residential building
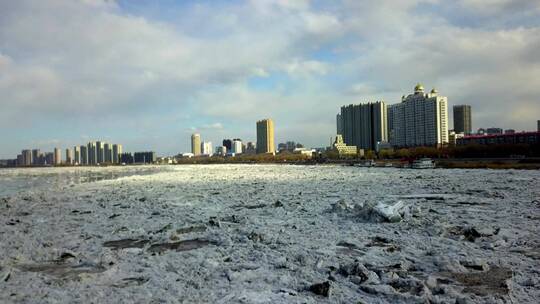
pixel 237 146
pixel 26 157
pixel 509 131
pixel 84 155
pixel 196 144
pixel 265 136
pixel 116 151
pixel 339 124
pixel 49 158
pixel 364 125
pixel 251 148
pixel 342 148
pixel 77 155
pixel 494 131
pixel 126 158
pixel 57 156
pixel 100 152
pixel 107 153
pixel 228 144
pixel 144 157
pixel 462 119
pixel 453 137
pixel 221 150
pixel 36 157
pixel 531 138
pixel 69 156
pixel 206 148
pixel 92 153
pixel 419 120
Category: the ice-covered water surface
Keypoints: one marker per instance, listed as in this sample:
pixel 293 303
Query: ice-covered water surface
pixel 275 234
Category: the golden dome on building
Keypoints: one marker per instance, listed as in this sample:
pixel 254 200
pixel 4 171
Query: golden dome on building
pixel 419 88
pixel 434 91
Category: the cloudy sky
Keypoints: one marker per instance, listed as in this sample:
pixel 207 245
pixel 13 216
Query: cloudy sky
pixel 149 73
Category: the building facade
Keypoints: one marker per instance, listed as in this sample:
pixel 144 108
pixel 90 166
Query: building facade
pixel 237 146
pixel 144 157
pixel 206 148
pixel 419 120
pixel 339 124
pixel 57 156
pixel 364 125
pixel 116 151
pixel 531 138
pixel 462 119
pixel 26 157
pixel 69 156
pixel 265 136
pixel 342 148
pixel 196 144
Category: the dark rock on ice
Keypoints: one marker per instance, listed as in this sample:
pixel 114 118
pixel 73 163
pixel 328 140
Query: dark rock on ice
pixel 114 215
pixel 179 246
pixel 62 269
pixel 495 281
pixel 135 281
pixel 126 243
pixel 190 229
pixel 321 289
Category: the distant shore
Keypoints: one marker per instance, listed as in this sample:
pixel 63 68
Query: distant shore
pixel 447 163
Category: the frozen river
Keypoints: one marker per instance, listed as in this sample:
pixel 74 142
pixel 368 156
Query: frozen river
pixel 269 234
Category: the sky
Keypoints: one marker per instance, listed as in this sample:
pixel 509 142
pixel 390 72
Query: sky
pixel 147 74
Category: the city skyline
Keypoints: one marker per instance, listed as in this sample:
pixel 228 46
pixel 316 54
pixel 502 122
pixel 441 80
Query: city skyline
pixel 143 72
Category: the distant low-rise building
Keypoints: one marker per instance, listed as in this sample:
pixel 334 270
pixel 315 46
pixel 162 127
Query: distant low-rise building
pixel 341 147
pixel 494 131
pixel 144 157
pixel 531 138
pixel 221 150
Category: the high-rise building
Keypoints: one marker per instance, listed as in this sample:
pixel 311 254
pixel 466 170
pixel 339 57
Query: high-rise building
pixel 49 158
pixel 462 119
pixel 100 152
pixel 339 124
pixel 36 157
pixel 77 155
pixel 237 146
pixel 419 120
pixel 265 136
pixel 222 150
pixel 144 157
pixel 364 125
pixel 57 156
pixel 26 157
pixel 117 150
pixel 92 153
pixel 126 158
pixel 69 156
pixel 538 126
pixel 206 148
pixel 196 144
pixel 228 144
pixel 84 155
pixel 251 148
pixel 107 153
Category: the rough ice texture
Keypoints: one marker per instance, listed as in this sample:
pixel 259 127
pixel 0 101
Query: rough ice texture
pixel 269 234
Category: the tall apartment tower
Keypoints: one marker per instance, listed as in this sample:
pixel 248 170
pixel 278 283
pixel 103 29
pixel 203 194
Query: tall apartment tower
pixel 69 156
pixel 35 157
pixel 365 125
pixel 100 152
pixel 462 119
pixel 26 157
pixel 84 155
pixel 265 136
pixel 419 120
pixel 206 148
pixel 116 151
pixel 92 153
pixel 339 124
pixel 57 156
pixel 196 144
pixel 77 155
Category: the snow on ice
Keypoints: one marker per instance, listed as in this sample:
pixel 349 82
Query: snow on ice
pixel 269 234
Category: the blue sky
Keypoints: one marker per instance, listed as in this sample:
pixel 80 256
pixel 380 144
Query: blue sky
pixel 149 73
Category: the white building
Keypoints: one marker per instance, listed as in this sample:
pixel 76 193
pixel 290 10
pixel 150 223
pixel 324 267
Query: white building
pixel 237 146
pixel 206 148
pixel 221 150
pixel 419 120
pixel 77 155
